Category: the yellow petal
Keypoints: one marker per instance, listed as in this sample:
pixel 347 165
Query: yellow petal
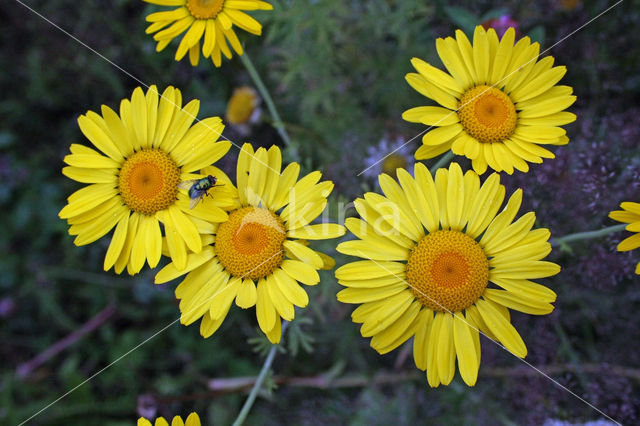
pixel 275 333
pixel 291 289
pixel 177 421
pixel 363 295
pixel 153 239
pixel 629 243
pixel 398 332
pixel 186 229
pixel 433 376
pixel 320 231
pixel 446 351
pixel 393 308
pixel 437 76
pixel 421 341
pixel 98 137
pixel 194 260
pixel 247 294
pixel 265 311
pixel 117 243
pixel 367 269
pixel 502 328
pixel 518 302
pixel 283 306
pixel 303 253
pixel 221 300
pixel 193 420
pixel 481 55
pixel 465 350
pixel 123 258
pixel 286 181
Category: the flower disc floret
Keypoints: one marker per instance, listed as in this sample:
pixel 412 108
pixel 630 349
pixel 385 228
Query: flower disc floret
pixel 205 9
pixel 487 114
pixel 249 244
pixel 447 271
pixel 148 181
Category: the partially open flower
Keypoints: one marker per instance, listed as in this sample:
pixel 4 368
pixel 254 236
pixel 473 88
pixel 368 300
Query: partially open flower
pixel 243 107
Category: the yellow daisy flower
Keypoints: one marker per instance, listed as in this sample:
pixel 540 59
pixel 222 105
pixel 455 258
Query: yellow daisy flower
pixel 443 264
pixel 499 103
pixel 630 214
pixel 150 147
pixel 192 420
pixel 209 20
pixel 264 241
pixel 243 106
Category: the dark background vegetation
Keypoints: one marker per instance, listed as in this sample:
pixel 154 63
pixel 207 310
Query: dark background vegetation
pixel 336 70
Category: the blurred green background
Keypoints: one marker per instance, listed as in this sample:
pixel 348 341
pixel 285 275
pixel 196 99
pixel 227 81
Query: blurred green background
pixel 336 71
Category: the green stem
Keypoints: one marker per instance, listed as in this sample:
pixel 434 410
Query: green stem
pixel 264 92
pixel 444 160
pixel 587 235
pixel 258 383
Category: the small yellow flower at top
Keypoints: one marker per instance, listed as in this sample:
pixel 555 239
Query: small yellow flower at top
pixel 192 420
pixel 243 107
pixel 211 21
pixel 630 214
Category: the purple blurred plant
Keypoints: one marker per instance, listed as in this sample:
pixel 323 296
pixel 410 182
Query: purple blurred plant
pixel 501 24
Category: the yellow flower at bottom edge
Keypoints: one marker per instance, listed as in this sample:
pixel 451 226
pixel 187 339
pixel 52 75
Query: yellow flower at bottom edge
pixel 443 264
pixel 192 420
pixel 263 242
pixel 499 102
pixel 209 20
pixel 630 214
pixel 150 147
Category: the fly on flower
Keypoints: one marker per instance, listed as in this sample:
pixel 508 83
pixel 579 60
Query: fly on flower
pixel 198 188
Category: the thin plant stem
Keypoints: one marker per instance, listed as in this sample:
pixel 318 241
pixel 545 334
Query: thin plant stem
pixel 444 160
pixel 587 235
pixel 271 106
pixel 259 380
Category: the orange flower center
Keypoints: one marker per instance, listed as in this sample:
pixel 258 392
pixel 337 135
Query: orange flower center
pixel 148 181
pixel 205 9
pixel 487 114
pixel 447 271
pixel 249 243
